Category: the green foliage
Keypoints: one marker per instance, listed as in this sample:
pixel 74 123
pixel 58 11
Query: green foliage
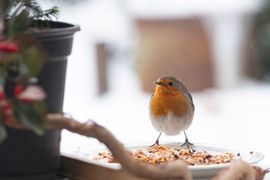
pixel 2 80
pixel 24 13
pixel 33 8
pixel 40 107
pixel 34 59
pixel 3 133
pixel 21 60
pixel 18 24
pixel 29 116
pixel 48 14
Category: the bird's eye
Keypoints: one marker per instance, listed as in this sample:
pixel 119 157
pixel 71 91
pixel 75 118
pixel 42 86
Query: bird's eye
pixel 171 84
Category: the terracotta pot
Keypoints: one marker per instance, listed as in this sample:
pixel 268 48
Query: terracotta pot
pixel 177 47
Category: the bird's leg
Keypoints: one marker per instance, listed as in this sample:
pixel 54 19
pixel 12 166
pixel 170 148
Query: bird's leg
pixel 157 141
pixel 186 143
pixel 266 171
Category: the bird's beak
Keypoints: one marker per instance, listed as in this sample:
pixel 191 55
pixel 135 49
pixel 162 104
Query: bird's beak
pixel 158 83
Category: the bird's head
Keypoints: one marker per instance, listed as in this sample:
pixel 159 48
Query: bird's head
pixel 170 84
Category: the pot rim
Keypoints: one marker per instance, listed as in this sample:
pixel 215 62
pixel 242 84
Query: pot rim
pixel 56 30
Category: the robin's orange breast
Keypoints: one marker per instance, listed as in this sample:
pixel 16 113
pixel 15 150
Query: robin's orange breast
pixel 166 101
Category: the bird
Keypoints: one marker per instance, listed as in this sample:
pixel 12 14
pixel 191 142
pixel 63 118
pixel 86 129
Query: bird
pixel 171 108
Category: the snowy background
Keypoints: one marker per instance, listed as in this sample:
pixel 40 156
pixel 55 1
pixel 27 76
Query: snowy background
pixel 234 114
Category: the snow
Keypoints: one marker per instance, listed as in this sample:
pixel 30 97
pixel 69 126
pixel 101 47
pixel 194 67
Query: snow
pixel 234 115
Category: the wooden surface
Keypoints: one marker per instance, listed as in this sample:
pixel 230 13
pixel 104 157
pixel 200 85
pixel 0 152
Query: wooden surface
pixel 79 170
pixel 178 47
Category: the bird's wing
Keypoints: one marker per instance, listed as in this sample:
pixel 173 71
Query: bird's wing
pixel 191 100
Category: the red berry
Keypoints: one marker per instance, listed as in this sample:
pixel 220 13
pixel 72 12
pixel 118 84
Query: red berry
pixel 8 47
pixel 18 89
pixel 2 95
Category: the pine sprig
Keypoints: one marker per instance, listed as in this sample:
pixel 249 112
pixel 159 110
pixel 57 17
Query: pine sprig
pixel 36 11
pixel 48 14
pixel 33 9
pixel 22 14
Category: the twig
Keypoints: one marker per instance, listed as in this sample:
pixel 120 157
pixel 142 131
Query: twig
pixel 172 170
pixel 238 170
pixel 260 173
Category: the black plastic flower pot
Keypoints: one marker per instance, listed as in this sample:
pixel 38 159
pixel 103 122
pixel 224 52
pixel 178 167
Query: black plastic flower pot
pixel 25 155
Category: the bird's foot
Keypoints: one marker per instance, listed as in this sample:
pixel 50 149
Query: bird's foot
pixel 155 144
pixel 187 144
pixel 157 141
pixel 266 171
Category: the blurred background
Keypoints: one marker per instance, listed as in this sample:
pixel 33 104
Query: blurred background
pixel 219 49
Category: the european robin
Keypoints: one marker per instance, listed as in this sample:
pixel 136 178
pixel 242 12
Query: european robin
pixel 171 108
